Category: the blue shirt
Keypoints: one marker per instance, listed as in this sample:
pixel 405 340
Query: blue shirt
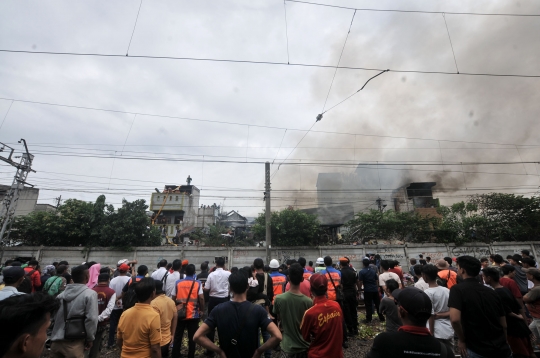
pixel 277 274
pixel 369 279
pixel 331 270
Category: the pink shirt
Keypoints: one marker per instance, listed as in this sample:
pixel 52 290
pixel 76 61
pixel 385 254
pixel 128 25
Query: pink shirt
pixel 304 288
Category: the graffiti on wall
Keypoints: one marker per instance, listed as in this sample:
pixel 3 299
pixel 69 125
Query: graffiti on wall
pixel 240 254
pixel 391 254
pixel 470 251
pixel 284 255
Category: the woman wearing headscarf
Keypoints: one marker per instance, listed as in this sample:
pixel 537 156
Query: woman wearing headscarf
pixel 94 273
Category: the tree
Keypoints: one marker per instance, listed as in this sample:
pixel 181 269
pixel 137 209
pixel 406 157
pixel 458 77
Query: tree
pixel 289 227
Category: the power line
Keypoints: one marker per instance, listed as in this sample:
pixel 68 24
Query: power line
pixel 415 11
pixel 451 46
pixel 80 54
pixel 286 31
pixel 7 112
pixel 134 26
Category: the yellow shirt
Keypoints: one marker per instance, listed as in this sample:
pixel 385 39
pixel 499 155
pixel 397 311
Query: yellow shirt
pixel 140 328
pixel 165 307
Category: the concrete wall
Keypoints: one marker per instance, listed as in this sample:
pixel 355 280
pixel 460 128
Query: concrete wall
pixel 243 256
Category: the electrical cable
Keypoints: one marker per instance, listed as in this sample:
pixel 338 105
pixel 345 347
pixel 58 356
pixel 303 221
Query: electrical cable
pixel 451 46
pixel 286 31
pixel 9 109
pixel 134 26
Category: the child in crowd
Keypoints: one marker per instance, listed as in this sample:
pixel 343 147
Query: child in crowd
pixel 389 307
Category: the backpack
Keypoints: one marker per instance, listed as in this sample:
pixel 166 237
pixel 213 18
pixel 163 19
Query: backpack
pixel 130 298
pixel 26 285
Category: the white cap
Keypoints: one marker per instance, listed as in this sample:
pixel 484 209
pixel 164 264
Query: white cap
pixel 274 264
pixel 123 261
pixel 320 261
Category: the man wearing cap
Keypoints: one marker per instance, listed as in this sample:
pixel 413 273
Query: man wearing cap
pixel 449 276
pixel 117 284
pixel 532 300
pixel 322 324
pixel 128 264
pixel 349 282
pixel 413 339
pixel 13 276
pixel 320 265
pixel 279 280
pixel 477 314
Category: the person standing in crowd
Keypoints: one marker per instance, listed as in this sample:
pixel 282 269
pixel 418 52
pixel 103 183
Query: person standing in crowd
pixel 322 324
pixel 106 298
pixel 526 254
pixel 439 322
pixel 518 335
pixel 161 271
pixel 519 276
pixel 79 301
pixel 477 314
pixel 203 276
pixel 447 276
pixel 238 322
pixel 93 270
pixel 449 261
pixel 127 263
pixel 188 293
pixel 265 280
pixel 484 262
pixel 320 265
pixel 168 317
pixel 428 260
pixel 33 274
pixel 413 339
pixel 389 308
pixel 367 277
pixel 307 273
pixel 25 320
pixel 349 282
pixel 217 286
pixel 309 267
pixel 532 300
pixel 13 276
pixel 305 288
pixel 170 283
pixel 498 261
pixel 117 284
pixel 334 278
pixel 279 280
pixel 289 308
pixel 184 265
pixel 47 274
pixel 507 281
pixel 139 329
pixel 57 283
pixel 413 263
pixel 386 275
pixel 395 269
pixel 421 284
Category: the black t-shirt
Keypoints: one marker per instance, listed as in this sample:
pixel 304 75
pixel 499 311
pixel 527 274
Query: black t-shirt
pixel 203 276
pixel 269 285
pixel 404 344
pixel 348 279
pixel 481 310
pixel 516 327
pixel 227 318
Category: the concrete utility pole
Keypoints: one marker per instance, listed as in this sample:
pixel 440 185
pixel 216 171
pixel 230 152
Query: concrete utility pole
pixel 268 213
pixel 11 199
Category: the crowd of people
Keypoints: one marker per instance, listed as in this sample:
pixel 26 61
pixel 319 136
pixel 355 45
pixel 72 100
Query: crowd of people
pixel 465 306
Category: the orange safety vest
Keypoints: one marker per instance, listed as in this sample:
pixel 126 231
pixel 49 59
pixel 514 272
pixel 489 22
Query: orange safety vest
pixel 182 291
pixel 307 275
pixel 337 281
pixel 279 285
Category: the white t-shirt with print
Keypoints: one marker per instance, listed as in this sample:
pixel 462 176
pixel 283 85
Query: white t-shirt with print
pixel 439 299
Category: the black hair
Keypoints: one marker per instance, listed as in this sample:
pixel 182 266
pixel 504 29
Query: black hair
pixel 258 263
pixel 310 263
pixel 162 263
pixel 204 266
pixel 105 270
pixel 8 262
pixel 526 252
pixel 296 274
pixel 508 257
pixel 484 259
pixel 449 260
pixel 103 277
pixel 428 258
pixel 498 259
pixel 33 263
pixel 528 261
pixel 517 258
pixel 492 257
pixel 190 270
pixel 418 269
pixel 24 314
pixel 421 256
pixel 63 263
pixel 423 262
pixel 507 269
pixel 55 263
pixel 470 264
pixel 169 266
pixel 142 270
pixel 366 262
pixel 328 261
pixel 302 261
pixel 220 262
pixel 385 264
pixel 176 265
pixel 413 261
pixel 234 269
pixel 492 272
pixel 238 282
pixel 90 264
pixel 159 286
pixel 392 263
pixel 392 285
pixel 431 272
pixel 78 273
pixel 61 269
pixel 266 268
pixel 144 289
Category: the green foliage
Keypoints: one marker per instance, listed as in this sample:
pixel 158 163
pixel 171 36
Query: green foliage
pixel 80 223
pixel 289 227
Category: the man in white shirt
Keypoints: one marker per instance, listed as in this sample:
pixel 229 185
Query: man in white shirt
pixel 13 276
pixel 169 284
pixel 161 271
pixel 217 285
pixel 421 283
pixel 117 284
pixel 386 275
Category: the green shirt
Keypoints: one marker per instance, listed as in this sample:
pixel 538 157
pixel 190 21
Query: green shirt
pixel 291 308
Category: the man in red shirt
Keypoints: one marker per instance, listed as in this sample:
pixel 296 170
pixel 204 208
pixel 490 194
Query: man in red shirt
pixel 106 302
pixel 393 268
pixel 34 275
pixel 322 324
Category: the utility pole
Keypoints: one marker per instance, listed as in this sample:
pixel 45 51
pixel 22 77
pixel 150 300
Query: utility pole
pixel 11 199
pixel 268 214
pixel 58 201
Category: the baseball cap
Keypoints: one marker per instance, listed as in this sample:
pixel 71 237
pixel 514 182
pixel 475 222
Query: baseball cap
pixel 13 273
pixel 320 261
pixel 318 282
pixel 123 268
pixel 414 301
pixel 274 264
pixel 344 260
pixel 123 261
pixel 185 262
pixel 533 272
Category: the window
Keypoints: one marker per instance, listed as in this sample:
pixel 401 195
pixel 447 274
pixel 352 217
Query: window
pixel 177 198
pixel 170 198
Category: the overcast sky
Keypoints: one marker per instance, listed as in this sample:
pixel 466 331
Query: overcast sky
pixel 431 106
